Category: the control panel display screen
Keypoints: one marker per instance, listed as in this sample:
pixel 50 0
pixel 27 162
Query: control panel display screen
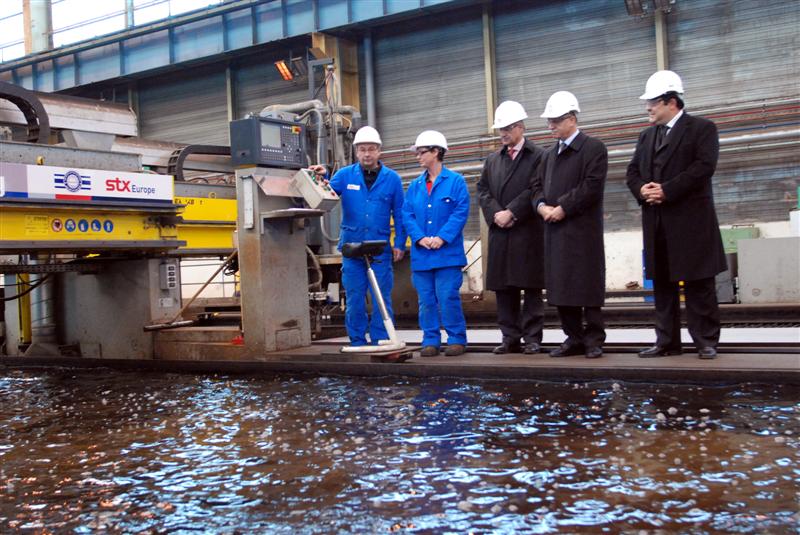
pixel 270 135
pixel 268 142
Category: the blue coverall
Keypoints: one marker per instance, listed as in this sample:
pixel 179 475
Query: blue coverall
pixel 436 274
pixel 365 216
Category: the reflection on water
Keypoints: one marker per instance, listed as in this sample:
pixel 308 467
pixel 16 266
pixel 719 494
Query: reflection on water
pixel 88 451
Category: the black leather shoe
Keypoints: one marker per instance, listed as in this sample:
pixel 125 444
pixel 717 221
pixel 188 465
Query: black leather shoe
pixel 594 352
pixel 504 348
pixel 659 351
pixel 707 353
pixel 567 350
pixel 532 348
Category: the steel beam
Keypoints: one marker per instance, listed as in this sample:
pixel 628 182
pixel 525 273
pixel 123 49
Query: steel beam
pixel 490 80
pixel 296 19
pixel 30 154
pixel 662 41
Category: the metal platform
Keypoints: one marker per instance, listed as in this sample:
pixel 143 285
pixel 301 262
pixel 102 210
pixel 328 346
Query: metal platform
pixel 192 352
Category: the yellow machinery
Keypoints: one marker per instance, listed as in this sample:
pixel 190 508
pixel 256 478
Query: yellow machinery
pixel 90 235
pixel 94 222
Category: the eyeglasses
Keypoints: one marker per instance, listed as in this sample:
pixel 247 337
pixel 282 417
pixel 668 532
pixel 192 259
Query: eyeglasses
pixel 420 152
pixel 559 120
pixel 655 101
pixel 510 127
pixel 363 149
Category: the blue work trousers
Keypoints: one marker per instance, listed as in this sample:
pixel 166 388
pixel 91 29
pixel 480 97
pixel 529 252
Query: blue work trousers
pixel 356 283
pixel 440 305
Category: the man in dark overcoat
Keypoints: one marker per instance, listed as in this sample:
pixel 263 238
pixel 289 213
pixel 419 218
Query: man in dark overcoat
pixel 568 195
pixel 516 242
pixel 670 175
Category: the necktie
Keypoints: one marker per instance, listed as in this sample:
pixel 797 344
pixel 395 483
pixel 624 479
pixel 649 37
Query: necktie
pixel 561 146
pixel 512 152
pixel 661 131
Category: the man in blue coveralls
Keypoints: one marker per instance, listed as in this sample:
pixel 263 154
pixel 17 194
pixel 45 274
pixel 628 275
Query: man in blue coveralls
pixel 370 193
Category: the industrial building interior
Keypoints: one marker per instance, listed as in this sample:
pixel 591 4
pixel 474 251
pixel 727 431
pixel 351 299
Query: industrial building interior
pixel 145 107
pixel 174 354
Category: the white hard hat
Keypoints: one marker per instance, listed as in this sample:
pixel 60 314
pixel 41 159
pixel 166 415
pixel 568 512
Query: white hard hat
pixel 660 83
pixel 367 134
pixel 508 112
pixel 430 138
pixel 560 103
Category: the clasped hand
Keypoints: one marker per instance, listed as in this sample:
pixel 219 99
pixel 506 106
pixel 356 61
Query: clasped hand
pixel 504 218
pixel 551 214
pixel 652 193
pixel 431 242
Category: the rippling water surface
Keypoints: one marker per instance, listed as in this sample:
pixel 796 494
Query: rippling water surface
pixel 88 451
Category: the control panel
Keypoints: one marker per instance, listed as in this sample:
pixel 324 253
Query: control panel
pixel 316 192
pixel 268 142
pixel 168 276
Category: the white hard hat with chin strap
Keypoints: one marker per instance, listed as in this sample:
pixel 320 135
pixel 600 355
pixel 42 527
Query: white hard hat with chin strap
pixel 660 83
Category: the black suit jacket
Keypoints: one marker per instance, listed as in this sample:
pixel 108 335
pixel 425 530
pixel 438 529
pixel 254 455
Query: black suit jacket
pixel 575 267
pixel 515 255
pixel 684 165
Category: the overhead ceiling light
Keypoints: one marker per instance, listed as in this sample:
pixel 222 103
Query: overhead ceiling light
pixel 284 70
pixel 634 8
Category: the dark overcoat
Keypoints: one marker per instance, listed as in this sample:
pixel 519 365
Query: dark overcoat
pixel 683 165
pixel 575 262
pixel 515 253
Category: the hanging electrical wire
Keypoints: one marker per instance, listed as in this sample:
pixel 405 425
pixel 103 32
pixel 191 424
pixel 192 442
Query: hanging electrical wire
pixel 31 287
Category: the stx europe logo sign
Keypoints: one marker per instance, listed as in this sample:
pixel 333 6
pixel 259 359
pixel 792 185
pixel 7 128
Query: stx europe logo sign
pixel 127 186
pixel 117 184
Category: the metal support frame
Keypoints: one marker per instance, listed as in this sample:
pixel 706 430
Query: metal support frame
pixel 312 64
pixel 78 64
pixel 230 93
pixel 38 20
pixel 129 20
pixel 662 41
pixel 489 66
pixel 369 75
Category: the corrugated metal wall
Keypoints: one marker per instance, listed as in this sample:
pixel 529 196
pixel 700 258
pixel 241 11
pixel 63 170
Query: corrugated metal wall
pixel 593 49
pixel 188 108
pixel 731 52
pixel 429 75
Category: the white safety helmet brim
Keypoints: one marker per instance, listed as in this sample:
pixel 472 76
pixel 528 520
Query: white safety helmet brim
pixel 430 138
pixel 508 113
pixel 559 104
pixel 367 134
pixel 660 83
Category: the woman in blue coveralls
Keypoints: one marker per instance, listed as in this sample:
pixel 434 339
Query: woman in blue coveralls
pixel 371 193
pixel 434 214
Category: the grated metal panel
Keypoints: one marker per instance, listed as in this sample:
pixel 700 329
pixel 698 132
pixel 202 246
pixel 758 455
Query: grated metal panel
pixel 728 52
pixel 429 75
pixel 185 109
pixel 593 49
